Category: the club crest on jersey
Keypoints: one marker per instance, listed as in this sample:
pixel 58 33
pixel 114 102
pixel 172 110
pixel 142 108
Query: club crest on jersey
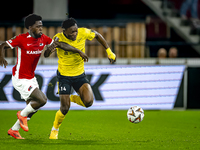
pixel 30 88
pixel 41 44
pixel 78 40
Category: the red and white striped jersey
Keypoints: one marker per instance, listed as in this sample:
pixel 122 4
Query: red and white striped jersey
pixel 29 50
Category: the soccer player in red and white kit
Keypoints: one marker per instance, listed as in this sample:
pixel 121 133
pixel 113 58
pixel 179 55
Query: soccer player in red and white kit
pixel 29 48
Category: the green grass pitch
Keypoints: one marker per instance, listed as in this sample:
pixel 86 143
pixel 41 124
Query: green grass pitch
pixel 106 129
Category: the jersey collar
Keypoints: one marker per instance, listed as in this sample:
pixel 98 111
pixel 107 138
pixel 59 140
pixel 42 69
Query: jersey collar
pixel 28 35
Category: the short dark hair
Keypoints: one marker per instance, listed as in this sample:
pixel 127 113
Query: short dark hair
pixel 31 19
pixel 68 23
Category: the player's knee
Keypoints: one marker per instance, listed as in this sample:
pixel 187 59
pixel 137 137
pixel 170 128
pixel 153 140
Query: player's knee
pixel 64 109
pixel 88 103
pixel 39 97
pixel 43 101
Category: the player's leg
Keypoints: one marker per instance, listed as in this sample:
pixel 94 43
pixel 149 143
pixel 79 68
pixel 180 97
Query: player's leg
pixel 83 88
pixel 29 90
pixel 38 99
pixel 64 89
pixel 86 94
pixel 64 108
pixel 60 115
pixel 31 114
pixel 24 115
pixel 16 126
pixel 14 131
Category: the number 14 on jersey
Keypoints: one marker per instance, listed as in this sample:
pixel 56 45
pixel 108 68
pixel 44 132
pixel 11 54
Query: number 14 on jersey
pixel 62 88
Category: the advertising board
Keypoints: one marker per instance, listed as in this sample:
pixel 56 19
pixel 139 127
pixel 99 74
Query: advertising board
pixel 114 86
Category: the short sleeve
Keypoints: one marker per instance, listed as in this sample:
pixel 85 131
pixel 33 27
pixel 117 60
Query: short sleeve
pixel 49 41
pixel 90 34
pixel 58 35
pixel 14 42
pixel 54 37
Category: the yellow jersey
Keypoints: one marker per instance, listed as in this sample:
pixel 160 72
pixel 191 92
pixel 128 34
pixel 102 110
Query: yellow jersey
pixel 69 63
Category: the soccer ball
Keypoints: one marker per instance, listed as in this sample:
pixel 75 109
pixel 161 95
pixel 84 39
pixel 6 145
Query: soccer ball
pixel 135 114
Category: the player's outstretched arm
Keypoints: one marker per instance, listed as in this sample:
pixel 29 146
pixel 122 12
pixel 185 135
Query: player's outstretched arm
pixel 51 48
pixel 111 55
pixel 3 62
pixel 67 47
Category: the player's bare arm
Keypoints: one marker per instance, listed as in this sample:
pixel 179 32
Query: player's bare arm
pixel 50 49
pixel 67 47
pixel 100 39
pixel 3 47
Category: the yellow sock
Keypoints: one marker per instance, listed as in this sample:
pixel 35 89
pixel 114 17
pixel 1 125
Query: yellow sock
pixel 58 119
pixel 76 99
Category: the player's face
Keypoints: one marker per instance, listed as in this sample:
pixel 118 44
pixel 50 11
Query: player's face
pixel 36 29
pixel 71 32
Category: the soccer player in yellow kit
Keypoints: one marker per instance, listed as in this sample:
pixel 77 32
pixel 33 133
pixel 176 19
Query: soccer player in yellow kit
pixel 70 71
